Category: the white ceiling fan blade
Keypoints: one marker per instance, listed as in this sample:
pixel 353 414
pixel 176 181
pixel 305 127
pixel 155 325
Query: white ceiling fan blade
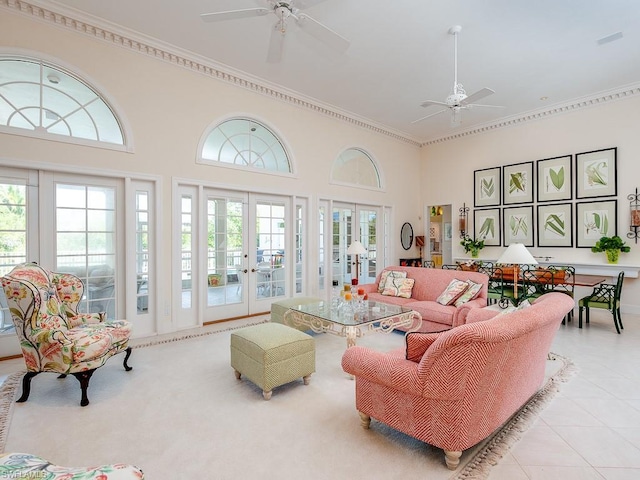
pixel 233 14
pixel 483 106
pixel 276 45
pixel 485 92
pixel 428 103
pixel 322 32
pixel 431 115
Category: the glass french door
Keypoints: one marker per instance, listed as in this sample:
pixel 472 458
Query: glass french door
pixel 349 223
pixel 245 249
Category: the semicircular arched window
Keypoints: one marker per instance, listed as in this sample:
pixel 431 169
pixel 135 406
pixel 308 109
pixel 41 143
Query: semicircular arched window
pixel 245 143
pixel 46 99
pixel 355 167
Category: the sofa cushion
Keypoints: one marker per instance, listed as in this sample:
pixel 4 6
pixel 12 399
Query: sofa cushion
pixel 389 273
pixel 398 287
pixel 433 311
pixel 454 290
pixel 469 294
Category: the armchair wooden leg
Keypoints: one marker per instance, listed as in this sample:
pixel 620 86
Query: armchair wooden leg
pixel 126 357
pixel 580 317
pixel 26 386
pixel 452 459
pixel 83 378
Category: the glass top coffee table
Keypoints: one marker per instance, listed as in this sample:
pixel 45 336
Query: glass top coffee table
pixel 352 323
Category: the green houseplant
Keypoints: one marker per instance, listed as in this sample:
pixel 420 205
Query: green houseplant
pixel 612 246
pixel 472 245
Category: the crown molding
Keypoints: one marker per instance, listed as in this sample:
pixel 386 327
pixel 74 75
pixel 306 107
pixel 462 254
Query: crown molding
pixel 110 33
pixel 79 23
pixel 561 108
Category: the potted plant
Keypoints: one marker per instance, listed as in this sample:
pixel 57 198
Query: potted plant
pixel 472 245
pixel 612 246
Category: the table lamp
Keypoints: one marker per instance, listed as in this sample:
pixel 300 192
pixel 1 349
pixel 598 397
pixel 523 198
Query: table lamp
pixel 516 254
pixel 357 249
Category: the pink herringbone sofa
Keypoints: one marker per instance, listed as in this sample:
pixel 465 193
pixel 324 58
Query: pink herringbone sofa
pixel 429 284
pixel 453 389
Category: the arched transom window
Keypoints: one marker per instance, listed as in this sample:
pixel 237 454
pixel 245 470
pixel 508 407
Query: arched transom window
pixel 46 99
pixel 245 143
pixel 355 167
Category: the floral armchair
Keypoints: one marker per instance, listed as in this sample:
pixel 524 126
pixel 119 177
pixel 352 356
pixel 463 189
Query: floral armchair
pixel 454 388
pixel 53 335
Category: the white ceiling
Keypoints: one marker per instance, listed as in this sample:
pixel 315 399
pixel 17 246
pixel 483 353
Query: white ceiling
pixel 535 54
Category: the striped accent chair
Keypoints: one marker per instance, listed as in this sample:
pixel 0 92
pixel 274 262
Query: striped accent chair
pixel 453 389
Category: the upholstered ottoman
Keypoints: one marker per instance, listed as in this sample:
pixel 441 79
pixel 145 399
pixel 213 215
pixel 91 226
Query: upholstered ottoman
pixel 271 354
pixel 279 308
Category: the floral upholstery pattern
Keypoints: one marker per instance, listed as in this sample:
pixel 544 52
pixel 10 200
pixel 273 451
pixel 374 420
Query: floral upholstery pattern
pixel 53 335
pixel 454 290
pixel 453 389
pixel 398 287
pixel 25 465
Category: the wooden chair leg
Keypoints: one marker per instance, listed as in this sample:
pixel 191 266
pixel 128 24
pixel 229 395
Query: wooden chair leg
pixel 580 317
pixel 26 386
pixel 615 320
pixel 620 318
pixel 83 378
pixel 126 357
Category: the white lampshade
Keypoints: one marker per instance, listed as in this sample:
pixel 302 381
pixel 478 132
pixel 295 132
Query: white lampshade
pixel 517 254
pixel 356 248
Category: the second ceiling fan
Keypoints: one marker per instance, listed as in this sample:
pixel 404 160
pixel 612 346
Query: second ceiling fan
pixel 285 11
pixel 458 100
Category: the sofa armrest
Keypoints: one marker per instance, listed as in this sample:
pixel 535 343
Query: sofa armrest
pixel 460 316
pixel 369 287
pixel 84 318
pixel 388 369
pixel 481 314
pixel 417 343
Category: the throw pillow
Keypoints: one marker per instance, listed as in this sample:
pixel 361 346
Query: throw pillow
pixel 384 275
pixel 523 304
pixel 470 293
pixel 452 292
pixel 398 287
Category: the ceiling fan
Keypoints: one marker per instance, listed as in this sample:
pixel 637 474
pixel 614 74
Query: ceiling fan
pixel 458 100
pixel 285 11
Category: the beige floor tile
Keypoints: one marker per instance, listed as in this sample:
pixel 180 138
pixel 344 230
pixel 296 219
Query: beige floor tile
pixel 508 472
pixel 601 446
pixel 619 473
pixel 565 411
pixel 540 445
pixel 611 412
pixel 561 473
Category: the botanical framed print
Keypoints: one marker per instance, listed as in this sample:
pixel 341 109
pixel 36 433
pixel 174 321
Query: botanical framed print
pixel 486 226
pixel 555 225
pixel 595 220
pixel 596 173
pixel 486 187
pixel 518 226
pixel 517 183
pixel 554 179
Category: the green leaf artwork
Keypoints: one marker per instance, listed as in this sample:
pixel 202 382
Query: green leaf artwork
pixel 518 225
pixel 487 187
pixel 487 230
pixel 555 225
pixel 557 179
pixel 596 223
pixel 597 174
pixel 517 182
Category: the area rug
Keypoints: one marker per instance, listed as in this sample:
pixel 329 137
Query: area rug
pixel 181 413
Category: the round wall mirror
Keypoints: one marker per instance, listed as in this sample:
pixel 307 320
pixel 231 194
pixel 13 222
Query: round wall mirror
pixel 406 235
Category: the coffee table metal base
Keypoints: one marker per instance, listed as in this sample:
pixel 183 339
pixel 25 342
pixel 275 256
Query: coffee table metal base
pixel 411 319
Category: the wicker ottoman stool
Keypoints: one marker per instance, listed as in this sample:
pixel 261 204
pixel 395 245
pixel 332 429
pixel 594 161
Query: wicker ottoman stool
pixel 278 309
pixel 271 354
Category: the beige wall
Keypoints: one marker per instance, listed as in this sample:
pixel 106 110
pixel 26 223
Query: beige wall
pixel 169 107
pixel 613 124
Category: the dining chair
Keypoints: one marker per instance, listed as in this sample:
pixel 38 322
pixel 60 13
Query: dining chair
pixel 605 296
pixel 429 264
pixel 564 281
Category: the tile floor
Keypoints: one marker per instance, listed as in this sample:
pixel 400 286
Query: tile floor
pixel 591 428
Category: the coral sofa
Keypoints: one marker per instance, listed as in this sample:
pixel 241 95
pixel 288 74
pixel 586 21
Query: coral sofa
pixel 453 389
pixel 429 284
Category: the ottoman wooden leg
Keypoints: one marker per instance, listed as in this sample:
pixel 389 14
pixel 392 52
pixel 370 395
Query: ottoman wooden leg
pixel 267 395
pixel 238 374
pixel 306 379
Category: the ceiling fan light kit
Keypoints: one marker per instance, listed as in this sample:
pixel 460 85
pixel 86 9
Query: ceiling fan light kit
pixel 458 100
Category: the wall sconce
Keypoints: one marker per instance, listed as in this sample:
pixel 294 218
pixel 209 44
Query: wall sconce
pixel 463 219
pixel 634 207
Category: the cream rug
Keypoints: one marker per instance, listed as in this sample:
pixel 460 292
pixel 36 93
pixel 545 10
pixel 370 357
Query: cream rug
pixel 181 414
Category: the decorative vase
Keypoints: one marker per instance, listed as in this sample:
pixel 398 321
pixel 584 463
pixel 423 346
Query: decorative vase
pixel 474 252
pixel 612 255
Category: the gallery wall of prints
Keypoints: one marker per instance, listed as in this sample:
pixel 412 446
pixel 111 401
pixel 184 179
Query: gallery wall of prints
pixel 562 201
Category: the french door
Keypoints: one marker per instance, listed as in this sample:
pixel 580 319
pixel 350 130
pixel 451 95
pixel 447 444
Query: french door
pixel 236 254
